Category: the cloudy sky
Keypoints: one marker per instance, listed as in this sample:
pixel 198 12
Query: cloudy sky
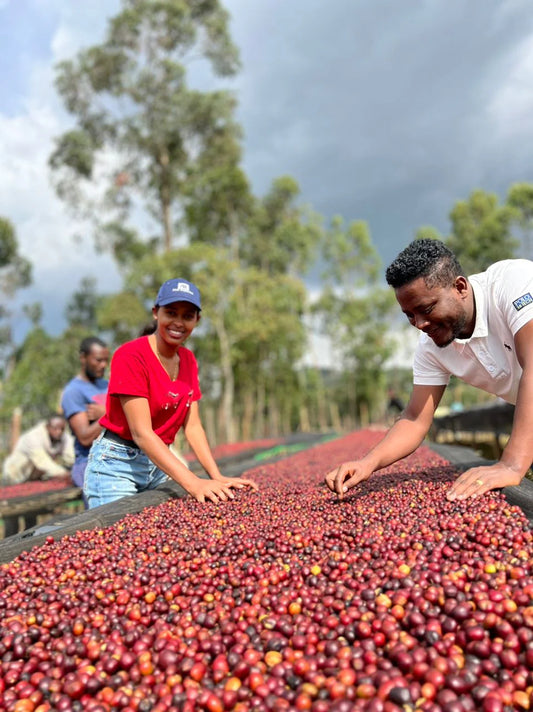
pixel 384 111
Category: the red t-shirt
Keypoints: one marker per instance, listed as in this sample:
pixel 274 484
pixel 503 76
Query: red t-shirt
pixel 136 371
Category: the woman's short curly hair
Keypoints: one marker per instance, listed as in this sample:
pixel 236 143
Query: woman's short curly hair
pixel 426 258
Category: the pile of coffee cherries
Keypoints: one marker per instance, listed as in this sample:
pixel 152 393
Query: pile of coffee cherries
pixel 35 487
pixel 392 600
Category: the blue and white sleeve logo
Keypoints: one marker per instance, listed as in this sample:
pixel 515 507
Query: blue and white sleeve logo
pixel 523 301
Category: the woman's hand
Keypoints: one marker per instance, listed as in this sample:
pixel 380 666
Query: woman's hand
pixel 218 490
pixel 238 482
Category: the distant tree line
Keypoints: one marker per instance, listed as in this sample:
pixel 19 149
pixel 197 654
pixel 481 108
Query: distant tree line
pixel 154 167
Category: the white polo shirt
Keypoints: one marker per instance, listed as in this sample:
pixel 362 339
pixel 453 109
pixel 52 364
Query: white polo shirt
pixel 504 303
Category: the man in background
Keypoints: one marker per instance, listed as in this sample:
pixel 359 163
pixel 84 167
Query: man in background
pixel 83 401
pixel 43 452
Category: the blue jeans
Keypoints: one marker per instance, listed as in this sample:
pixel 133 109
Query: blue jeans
pixel 115 471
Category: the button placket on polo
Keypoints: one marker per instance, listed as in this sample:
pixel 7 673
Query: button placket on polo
pixel 486 360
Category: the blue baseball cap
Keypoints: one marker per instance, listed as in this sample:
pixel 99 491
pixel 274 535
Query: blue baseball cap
pixel 178 290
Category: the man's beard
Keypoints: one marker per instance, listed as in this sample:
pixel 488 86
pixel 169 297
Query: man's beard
pixel 457 330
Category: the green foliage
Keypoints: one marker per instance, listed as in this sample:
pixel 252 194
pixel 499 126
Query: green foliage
pixel 468 396
pixel 8 243
pixel 349 254
pixel 219 203
pixel 15 273
pixel 400 382
pixel 82 308
pixel 354 312
pixel 520 199
pixel 163 153
pixel 283 236
pixel 140 130
pixel 75 149
pixel 43 366
pixel 126 244
pixel 15 270
pixel 481 231
pixel 34 312
pixel 122 315
pixel 428 232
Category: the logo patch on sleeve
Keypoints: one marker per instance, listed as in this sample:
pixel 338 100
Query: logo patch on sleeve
pixel 523 301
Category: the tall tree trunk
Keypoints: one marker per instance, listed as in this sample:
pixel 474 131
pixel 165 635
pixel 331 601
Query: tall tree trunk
pixel 228 383
pixel 305 426
pixel 234 238
pixel 16 421
pixel 335 417
pixel 167 228
pixel 348 423
pixel 248 414
pixel 321 403
pixel 208 416
pixel 260 408
pixel 286 418
pixel 364 415
pixel 273 418
pixel 165 201
pixel 353 397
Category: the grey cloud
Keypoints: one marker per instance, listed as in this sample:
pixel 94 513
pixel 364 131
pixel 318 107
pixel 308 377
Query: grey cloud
pixel 379 109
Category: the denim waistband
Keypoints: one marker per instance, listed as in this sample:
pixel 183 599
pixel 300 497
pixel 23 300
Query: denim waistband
pixel 110 435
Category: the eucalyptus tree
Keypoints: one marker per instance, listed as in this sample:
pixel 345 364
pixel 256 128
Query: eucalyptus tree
pixel 482 231
pixel 219 204
pixel 428 232
pixel 15 273
pixel 354 311
pixel 139 128
pixel 269 342
pixel 281 245
pixel 42 367
pixel 155 165
pixel 284 235
pixel 268 244
pixel 135 163
pixel 219 201
pixel 82 308
pixel 211 269
pixel 520 199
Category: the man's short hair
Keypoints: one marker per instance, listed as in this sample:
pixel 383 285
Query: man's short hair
pixel 426 258
pixel 88 342
pixel 55 416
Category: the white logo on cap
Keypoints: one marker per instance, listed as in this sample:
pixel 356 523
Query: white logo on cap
pixel 183 287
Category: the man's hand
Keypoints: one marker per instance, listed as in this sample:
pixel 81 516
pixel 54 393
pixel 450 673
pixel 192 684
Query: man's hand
pixel 478 480
pixel 95 411
pixel 346 476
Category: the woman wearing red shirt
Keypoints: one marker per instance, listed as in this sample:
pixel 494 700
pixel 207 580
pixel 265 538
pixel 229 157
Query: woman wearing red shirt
pixel 153 392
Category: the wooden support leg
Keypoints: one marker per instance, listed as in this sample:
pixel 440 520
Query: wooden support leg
pixel 30 520
pixel 11 526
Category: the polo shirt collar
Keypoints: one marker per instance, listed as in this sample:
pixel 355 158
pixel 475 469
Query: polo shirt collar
pixel 481 327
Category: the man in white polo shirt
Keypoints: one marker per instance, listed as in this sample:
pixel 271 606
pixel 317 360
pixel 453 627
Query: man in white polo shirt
pixel 479 329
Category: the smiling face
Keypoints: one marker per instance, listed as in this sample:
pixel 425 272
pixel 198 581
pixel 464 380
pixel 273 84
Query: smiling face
pixel 175 322
pixel 443 313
